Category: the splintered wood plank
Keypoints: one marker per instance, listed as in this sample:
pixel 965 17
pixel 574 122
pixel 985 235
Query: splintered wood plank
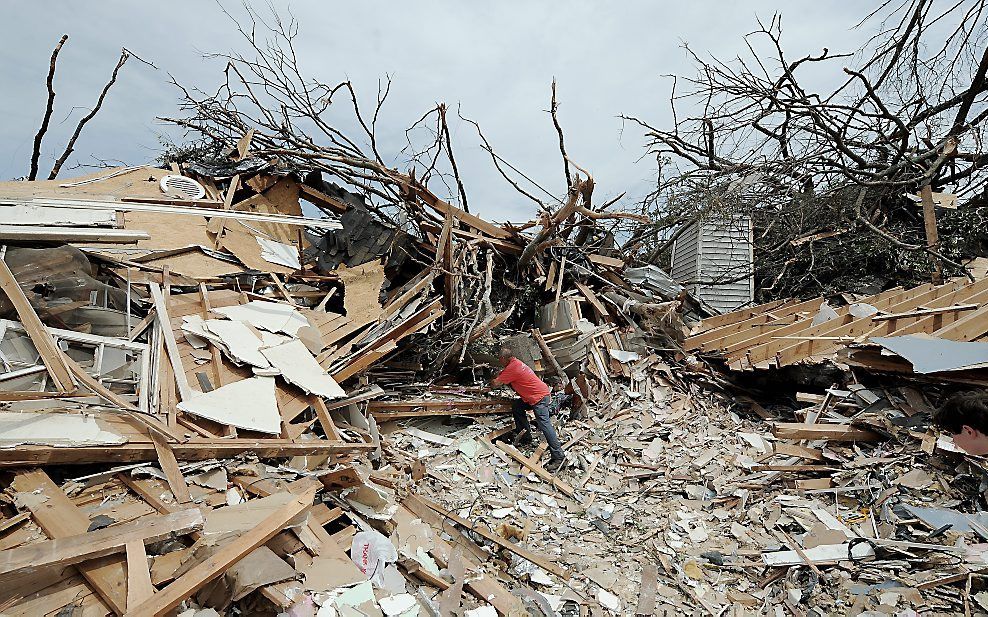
pixel 539 560
pixel 139 587
pixel 649 585
pixel 833 432
pixel 328 426
pixel 171 347
pixel 472 220
pixel 536 469
pixel 51 355
pixel 231 553
pixel 169 465
pixel 100 543
pixel 192 450
pixel 59 518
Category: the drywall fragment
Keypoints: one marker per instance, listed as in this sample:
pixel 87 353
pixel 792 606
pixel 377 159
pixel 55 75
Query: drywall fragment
pixel 242 345
pixel 399 605
pixel 270 316
pixel 279 253
pixel 624 356
pixel 54 429
pixel 299 367
pixel 825 314
pixel 331 571
pixel 249 403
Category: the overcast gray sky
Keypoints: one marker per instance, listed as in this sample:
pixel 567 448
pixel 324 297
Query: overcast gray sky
pixel 494 59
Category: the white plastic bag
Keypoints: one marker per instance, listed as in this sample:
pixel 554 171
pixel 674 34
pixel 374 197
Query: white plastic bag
pixel 372 552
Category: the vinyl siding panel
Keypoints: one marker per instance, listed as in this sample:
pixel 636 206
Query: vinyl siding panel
pixel 715 250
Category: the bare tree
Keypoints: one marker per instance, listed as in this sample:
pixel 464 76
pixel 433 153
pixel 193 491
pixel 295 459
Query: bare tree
pixel 50 108
pixel 753 137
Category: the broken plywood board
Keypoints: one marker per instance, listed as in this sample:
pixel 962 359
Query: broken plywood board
pixel 362 292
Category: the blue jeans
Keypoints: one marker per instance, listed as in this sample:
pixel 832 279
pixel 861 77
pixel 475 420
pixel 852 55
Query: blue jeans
pixel 542 408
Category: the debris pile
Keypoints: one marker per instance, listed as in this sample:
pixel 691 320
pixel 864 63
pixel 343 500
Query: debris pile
pixel 243 390
pixel 208 391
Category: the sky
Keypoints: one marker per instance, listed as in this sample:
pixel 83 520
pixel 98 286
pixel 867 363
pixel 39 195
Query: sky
pixel 494 61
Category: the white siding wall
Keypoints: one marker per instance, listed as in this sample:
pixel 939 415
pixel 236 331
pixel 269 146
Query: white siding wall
pixel 716 250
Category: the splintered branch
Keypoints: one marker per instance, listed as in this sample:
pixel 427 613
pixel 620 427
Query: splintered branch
pixel 559 130
pixel 452 160
pixel 49 110
pixel 70 146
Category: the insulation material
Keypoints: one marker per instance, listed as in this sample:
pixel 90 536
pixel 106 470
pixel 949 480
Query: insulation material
pixel 298 367
pixel 54 429
pixel 249 404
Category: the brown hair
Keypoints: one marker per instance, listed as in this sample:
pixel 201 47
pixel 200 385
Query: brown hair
pixel 964 408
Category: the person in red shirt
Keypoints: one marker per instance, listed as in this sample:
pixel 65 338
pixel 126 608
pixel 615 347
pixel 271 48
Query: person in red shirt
pixel 532 394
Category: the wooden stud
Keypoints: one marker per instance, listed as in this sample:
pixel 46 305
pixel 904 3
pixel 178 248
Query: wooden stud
pixel 89 545
pixel 202 573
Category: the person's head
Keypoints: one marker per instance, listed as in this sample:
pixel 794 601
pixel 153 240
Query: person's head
pixel 965 417
pixel 506 355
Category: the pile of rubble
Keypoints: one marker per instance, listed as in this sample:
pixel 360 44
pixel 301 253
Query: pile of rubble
pixel 243 390
pixel 212 399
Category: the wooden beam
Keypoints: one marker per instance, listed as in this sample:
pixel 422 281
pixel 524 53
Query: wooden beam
pixel 926 311
pixel 43 341
pixel 833 432
pixel 328 426
pixel 733 317
pixel 322 199
pixel 77 548
pixel 930 224
pixel 199 575
pixel 851 326
pixel 30 233
pixel 169 465
pixel 59 518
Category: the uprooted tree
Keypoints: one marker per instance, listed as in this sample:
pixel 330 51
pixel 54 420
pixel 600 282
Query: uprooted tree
pixel 826 173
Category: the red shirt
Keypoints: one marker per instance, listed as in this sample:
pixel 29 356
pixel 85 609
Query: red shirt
pixel 524 381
